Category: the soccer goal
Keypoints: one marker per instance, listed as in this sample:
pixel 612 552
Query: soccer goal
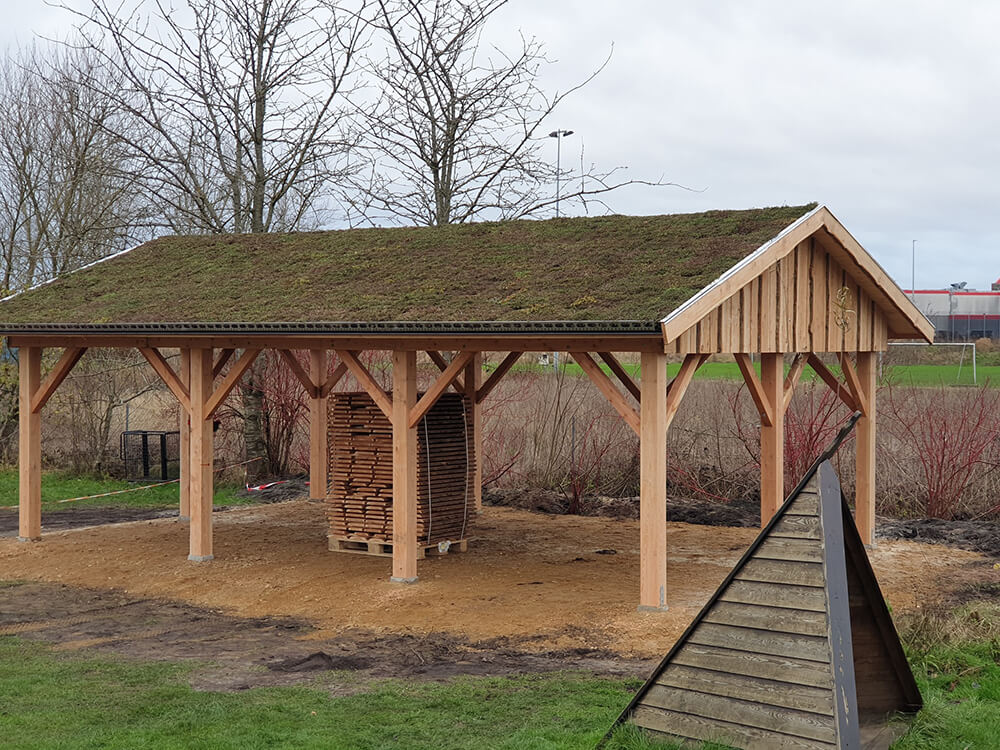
pixel 944 363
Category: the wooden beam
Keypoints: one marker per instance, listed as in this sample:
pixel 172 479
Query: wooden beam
pixel 832 382
pixel 319 458
pixel 496 376
pixel 792 379
pixel 616 367
pixel 167 375
pixel 864 496
pixel 473 381
pixel 55 378
pixel 202 479
pixel 244 363
pixel 29 441
pixel 653 483
pixel 404 467
pixel 756 389
pixel 312 389
pixel 697 361
pixel 224 356
pixel 442 364
pixel 432 394
pixel 772 437
pixel 609 389
pixel 853 383
pixel 379 396
pixel 185 439
pixel 331 382
pixel 679 385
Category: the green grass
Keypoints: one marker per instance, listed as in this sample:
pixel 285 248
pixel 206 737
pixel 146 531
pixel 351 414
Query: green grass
pixel 57 701
pixel 57 485
pixel 961 689
pixel 585 268
pixel 912 375
pixel 65 701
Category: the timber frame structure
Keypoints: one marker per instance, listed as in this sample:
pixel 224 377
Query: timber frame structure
pixel 809 289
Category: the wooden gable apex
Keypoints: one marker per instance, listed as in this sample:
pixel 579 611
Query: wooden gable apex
pixel 796 649
pixel 813 288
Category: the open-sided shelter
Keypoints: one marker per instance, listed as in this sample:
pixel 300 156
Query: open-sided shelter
pixel 796 648
pixel 771 281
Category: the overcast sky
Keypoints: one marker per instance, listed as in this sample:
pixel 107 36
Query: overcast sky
pixel 886 112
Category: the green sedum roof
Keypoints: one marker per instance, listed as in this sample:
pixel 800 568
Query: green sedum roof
pixel 608 268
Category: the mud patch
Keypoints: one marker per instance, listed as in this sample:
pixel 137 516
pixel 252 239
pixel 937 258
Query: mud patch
pixel 741 513
pixel 78 518
pixel 237 653
pixel 977 536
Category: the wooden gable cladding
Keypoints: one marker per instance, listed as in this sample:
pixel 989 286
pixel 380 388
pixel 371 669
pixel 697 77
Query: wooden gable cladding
pixel 796 649
pixel 805 302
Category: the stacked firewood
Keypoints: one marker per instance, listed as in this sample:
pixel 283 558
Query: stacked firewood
pixel 359 505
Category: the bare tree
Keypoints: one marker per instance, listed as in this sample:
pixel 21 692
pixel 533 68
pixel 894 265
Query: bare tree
pixel 235 106
pixel 237 114
pixel 455 132
pixel 67 193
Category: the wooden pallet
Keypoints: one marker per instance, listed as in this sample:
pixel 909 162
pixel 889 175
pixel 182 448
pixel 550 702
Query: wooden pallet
pixel 382 548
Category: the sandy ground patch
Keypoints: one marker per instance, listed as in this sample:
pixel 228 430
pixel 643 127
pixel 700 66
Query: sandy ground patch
pixel 536 578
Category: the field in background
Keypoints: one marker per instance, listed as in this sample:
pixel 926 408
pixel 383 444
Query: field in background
pixel 917 375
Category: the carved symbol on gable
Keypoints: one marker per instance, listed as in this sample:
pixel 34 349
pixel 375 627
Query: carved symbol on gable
pixel 842 308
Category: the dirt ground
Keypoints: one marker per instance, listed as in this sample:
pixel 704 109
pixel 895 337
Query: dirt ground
pixel 237 653
pixel 532 583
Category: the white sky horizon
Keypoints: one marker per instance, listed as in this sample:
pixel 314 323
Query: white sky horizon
pixel 883 112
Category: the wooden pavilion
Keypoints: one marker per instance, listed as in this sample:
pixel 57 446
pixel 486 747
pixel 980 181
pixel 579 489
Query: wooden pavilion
pixel 772 282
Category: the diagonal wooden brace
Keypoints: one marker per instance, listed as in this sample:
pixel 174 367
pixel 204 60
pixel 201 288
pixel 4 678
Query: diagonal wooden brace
pixel 167 374
pixel 379 396
pixel 616 367
pixel 442 365
pixel 496 376
pixel 832 382
pixel 236 372
pixel 55 378
pixel 299 372
pixel 764 406
pixel 608 388
pixel 433 393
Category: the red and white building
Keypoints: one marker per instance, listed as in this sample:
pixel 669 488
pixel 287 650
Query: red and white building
pixel 960 314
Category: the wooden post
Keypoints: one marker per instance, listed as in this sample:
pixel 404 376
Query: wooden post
pixel 653 482
pixel 29 446
pixel 864 497
pixel 473 380
pixel 772 437
pixel 185 440
pixel 404 467
pixel 319 458
pixel 201 457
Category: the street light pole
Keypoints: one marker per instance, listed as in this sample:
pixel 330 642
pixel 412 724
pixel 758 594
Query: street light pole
pixel 558 135
pixel 913 272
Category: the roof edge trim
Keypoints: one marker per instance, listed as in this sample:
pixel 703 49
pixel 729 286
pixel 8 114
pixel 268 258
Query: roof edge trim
pixel 84 267
pixel 348 328
pixel 736 268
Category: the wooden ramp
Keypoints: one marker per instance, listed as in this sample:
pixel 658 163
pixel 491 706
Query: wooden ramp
pixel 796 649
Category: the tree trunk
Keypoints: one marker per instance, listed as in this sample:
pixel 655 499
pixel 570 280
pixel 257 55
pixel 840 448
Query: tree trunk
pixel 253 423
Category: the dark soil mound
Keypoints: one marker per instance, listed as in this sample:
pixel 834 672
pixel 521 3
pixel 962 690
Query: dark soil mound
pixel 683 510
pixel 978 536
